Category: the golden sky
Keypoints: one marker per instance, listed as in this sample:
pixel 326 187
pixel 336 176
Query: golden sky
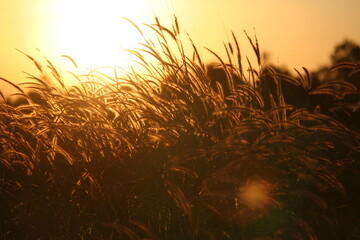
pixel 295 33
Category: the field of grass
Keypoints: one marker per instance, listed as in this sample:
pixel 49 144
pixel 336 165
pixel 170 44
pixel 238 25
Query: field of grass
pixel 181 150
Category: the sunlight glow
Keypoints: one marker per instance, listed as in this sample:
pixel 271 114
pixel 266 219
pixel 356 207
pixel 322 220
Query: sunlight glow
pixel 94 33
pixel 255 194
pixel 255 199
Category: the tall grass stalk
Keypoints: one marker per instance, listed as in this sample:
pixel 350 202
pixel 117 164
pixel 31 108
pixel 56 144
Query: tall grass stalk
pixel 167 150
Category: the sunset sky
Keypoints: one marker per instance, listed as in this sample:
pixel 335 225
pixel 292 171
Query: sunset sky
pixel 294 33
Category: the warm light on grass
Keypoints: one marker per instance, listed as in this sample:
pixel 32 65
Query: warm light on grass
pixel 178 150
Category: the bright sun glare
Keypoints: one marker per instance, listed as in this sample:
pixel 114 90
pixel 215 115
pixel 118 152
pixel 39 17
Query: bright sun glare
pixel 94 33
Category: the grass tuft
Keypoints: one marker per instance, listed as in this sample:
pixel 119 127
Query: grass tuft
pixel 176 149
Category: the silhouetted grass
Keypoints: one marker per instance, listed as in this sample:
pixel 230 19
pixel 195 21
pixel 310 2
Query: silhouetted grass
pixel 178 150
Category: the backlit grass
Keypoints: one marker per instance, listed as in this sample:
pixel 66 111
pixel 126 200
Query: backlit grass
pixel 178 149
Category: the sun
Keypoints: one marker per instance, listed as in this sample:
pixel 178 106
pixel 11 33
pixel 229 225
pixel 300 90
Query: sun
pixel 94 32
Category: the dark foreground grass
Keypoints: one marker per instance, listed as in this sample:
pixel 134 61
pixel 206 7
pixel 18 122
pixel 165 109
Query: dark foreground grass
pixel 180 150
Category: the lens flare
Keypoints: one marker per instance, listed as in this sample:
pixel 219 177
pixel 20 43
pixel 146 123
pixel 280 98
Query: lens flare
pixel 255 194
pixel 254 200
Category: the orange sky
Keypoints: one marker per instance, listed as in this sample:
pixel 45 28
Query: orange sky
pixel 296 33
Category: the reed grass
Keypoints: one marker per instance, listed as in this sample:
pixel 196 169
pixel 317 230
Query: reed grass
pixel 167 151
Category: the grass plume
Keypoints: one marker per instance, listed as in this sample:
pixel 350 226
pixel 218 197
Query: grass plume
pixel 178 150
